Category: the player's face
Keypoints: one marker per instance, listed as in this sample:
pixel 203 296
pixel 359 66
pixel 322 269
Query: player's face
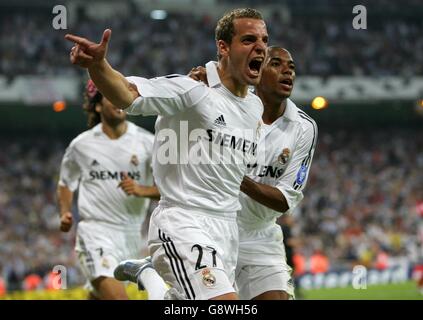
pixel 278 74
pixel 111 114
pixel 247 50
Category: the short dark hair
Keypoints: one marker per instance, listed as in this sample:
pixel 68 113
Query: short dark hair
pixel 225 29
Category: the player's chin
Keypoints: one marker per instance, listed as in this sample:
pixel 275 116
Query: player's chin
pixel 284 93
pixel 253 80
pixel 252 77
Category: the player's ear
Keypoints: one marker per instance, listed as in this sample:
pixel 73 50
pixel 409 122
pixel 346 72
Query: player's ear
pixel 222 48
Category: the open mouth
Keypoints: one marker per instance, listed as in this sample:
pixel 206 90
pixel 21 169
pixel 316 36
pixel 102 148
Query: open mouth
pixel 255 65
pixel 286 84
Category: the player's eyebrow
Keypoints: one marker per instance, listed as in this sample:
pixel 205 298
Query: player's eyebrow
pixel 248 37
pixel 275 59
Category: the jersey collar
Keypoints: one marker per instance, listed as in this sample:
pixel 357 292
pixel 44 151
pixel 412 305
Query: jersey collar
pixel 131 129
pixel 212 74
pixel 291 112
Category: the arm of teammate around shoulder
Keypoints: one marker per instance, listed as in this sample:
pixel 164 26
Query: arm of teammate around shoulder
pixel 199 74
pixel 266 195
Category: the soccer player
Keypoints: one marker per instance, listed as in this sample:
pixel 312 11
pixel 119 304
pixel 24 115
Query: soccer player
pixel 110 165
pixel 193 235
pixel 274 184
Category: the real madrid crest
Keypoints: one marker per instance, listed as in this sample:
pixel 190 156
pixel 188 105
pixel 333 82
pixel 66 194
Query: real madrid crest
pixel 134 160
pixel 105 263
pixel 284 156
pixel 209 280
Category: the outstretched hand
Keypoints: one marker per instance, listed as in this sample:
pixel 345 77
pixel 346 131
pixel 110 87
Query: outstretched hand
pixel 86 53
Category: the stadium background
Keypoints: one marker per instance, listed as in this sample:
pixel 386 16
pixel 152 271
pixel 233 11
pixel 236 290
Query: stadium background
pixel 364 200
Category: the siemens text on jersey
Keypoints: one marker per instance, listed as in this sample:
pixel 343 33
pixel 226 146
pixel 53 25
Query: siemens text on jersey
pixel 113 175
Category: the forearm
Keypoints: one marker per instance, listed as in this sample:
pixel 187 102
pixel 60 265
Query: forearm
pixel 148 192
pixel 112 84
pixel 64 199
pixel 266 195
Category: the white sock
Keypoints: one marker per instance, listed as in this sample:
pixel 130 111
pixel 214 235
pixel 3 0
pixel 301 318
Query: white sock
pixel 153 283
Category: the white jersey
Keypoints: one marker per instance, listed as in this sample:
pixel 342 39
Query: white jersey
pixel 288 146
pixel 94 164
pixel 199 120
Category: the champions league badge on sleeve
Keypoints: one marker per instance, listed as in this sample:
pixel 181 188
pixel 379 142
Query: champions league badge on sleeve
pixel 301 175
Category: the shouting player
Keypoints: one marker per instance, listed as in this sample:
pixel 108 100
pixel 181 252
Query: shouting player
pixel 273 186
pixel 193 236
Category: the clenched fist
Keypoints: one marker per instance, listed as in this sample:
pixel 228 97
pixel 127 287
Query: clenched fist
pixel 66 221
pixel 129 186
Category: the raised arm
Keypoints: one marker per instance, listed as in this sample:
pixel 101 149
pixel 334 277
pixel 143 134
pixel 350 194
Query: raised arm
pixel 92 56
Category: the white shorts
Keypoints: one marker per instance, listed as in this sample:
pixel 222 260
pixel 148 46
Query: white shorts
pixel 101 246
pixel 196 253
pixel 262 263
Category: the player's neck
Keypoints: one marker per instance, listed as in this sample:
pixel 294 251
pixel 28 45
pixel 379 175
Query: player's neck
pixel 273 109
pixel 236 88
pixel 114 131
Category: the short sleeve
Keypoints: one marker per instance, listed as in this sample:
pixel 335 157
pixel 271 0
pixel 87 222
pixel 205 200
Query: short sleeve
pixel 294 179
pixel 166 96
pixel 70 171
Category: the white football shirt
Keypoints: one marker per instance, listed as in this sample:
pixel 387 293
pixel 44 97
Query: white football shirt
pixel 286 151
pixel 94 164
pixel 205 137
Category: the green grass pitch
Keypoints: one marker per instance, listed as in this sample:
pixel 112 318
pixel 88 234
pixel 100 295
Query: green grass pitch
pixel 401 291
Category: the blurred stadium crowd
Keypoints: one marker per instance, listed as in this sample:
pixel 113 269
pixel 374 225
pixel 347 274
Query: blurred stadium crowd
pixel 323 43
pixel 30 241
pixel 362 200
